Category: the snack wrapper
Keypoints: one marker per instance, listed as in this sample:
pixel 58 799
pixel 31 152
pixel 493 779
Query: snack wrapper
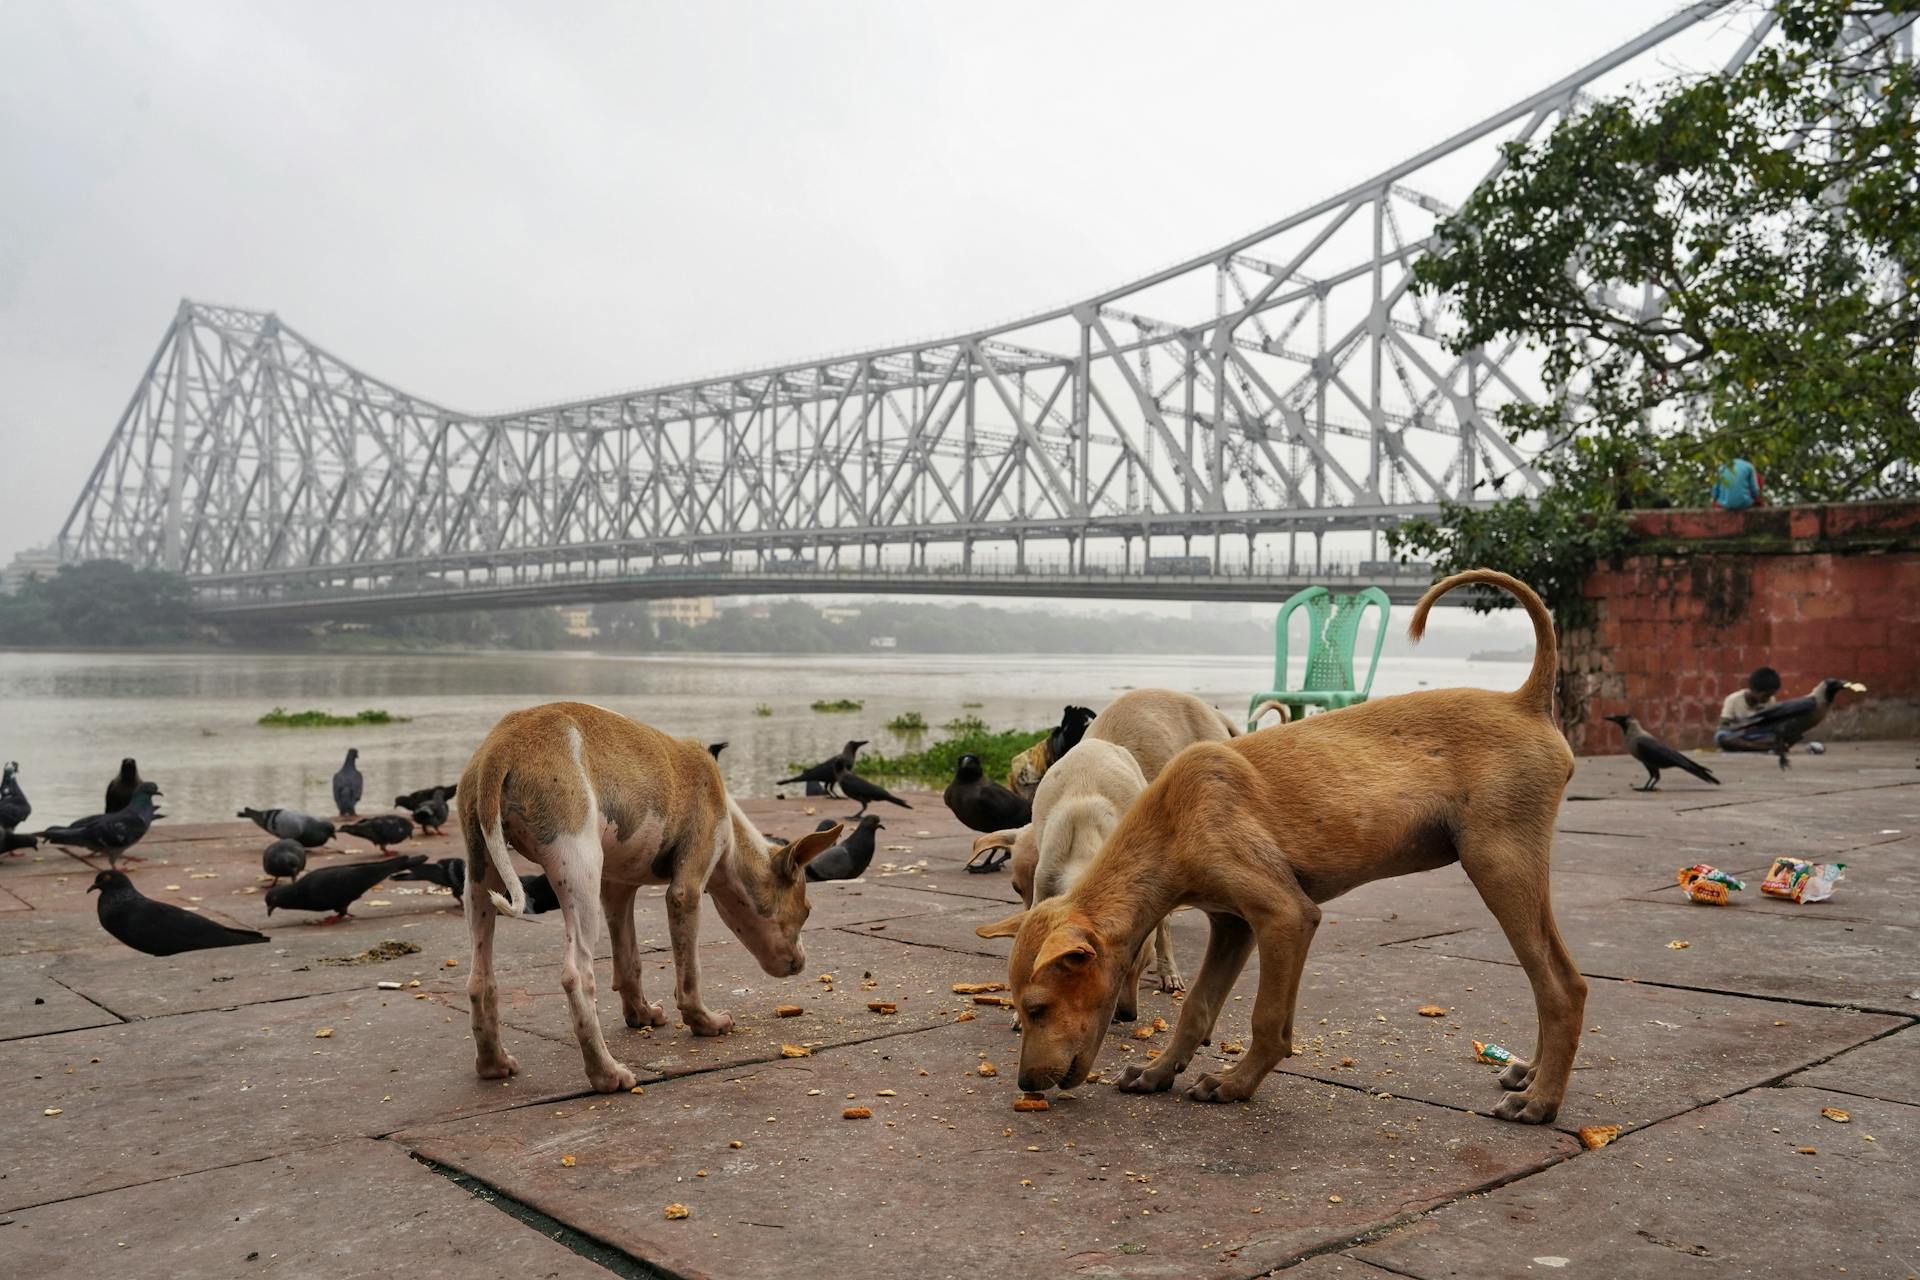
pixel 1801 881
pixel 1491 1053
pixel 1707 892
pixel 1701 871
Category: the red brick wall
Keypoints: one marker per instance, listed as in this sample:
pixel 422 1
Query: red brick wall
pixel 1707 596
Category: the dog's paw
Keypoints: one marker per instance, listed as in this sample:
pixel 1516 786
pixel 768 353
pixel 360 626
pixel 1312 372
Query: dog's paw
pixel 1217 1088
pixel 705 1023
pixel 615 1080
pixel 1518 1076
pixel 1154 1079
pixel 498 1067
pixel 1524 1109
pixel 647 1015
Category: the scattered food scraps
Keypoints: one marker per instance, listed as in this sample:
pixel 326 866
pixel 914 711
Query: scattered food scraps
pixel 882 1006
pixel 857 1113
pixel 324 1033
pixel 1030 1102
pixel 735 1144
pixel 675 1212
pixel 966 1015
pixel 1432 1011
pixel 1492 1053
pixel 886 1093
pixel 987 1069
pixel 977 988
pixel 1678 945
pixel 387 986
pixel 567 1161
pixel 54 1111
pixel 1595 1136
pixel 378 953
pixel 788 1011
pixel 451 963
pixel 1143 1033
pixel 1334 1200
pixel 637 1089
pixel 1836 1115
pixel 997 1001
pixel 1807 1151
pixel 795 1051
pixel 1233 1046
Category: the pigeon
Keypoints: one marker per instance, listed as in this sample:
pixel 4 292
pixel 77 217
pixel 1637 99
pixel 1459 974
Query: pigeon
pixel 432 814
pixel 414 799
pixel 284 858
pixel 110 833
pixel 120 790
pixel 1789 721
pixel 290 824
pixel 159 928
pixel 381 830
pixel 855 787
pixel 1657 755
pixel 12 843
pixel 849 859
pixel 826 774
pixel 348 786
pixel 983 804
pixel 336 888
pixel 14 806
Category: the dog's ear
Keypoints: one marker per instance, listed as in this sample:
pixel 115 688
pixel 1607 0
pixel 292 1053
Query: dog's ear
pixel 809 846
pixel 996 840
pixel 1067 943
pixel 1002 928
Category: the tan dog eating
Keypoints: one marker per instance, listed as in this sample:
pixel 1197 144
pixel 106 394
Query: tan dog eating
pixel 604 805
pixel 1257 831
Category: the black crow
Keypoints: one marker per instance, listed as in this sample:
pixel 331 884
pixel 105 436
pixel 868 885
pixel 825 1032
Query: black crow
pixel 284 858
pixel 336 888
pixel 381 830
pixel 855 787
pixel 110 833
pixel 121 789
pixel 290 824
pixel 348 786
pixel 983 804
pixel 1785 723
pixel 14 843
pixel 1657 755
pixel 159 928
pixel 849 859
pixel 14 806
pixel 432 814
pixel 451 873
pixel 715 748
pixel 826 774
pixel 414 799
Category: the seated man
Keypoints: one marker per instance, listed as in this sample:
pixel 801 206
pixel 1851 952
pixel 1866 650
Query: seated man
pixel 1762 687
pixel 1737 487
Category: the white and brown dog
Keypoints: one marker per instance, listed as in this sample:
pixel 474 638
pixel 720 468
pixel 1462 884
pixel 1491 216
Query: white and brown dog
pixel 604 805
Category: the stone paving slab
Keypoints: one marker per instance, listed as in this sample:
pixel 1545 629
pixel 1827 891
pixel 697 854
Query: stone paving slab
pixel 1333 1266
pixel 1646 1052
pixel 32 1004
pixel 1888 1068
pixel 176 1095
pixel 916 980
pixel 1867 965
pixel 947 1181
pixel 355 1210
pixel 1718 1192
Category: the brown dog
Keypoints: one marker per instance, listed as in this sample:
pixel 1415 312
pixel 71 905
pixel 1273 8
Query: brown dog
pixel 1259 830
pixel 604 805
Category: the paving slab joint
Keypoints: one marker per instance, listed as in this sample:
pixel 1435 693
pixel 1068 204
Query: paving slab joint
pixel 598 1252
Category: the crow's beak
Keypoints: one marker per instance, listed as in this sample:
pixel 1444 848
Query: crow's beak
pixel 93 888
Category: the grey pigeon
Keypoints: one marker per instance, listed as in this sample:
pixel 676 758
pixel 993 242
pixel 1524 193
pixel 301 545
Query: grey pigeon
pixel 348 786
pixel 855 787
pixel 1656 755
pixel 284 858
pixel 1785 723
pixel 159 928
pixel 414 799
pixel 110 833
pixel 335 888
pixel 432 814
pixel 380 830
pixel 290 824
pixel 14 806
pixel 849 859
pixel 826 774
pixel 121 789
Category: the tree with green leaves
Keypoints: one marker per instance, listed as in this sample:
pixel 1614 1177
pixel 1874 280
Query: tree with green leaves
pixel 1722 267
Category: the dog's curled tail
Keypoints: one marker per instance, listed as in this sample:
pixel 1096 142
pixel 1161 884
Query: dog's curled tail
pixel 481 797
pixel 1537 691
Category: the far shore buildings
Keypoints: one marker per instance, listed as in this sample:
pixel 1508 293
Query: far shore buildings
pixel 688 611
pixel 35 562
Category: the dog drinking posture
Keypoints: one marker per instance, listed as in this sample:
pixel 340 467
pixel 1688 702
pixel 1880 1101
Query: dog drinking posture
pixel 1259 830
pixel 605 805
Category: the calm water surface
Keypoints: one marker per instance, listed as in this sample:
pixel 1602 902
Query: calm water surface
pixel 189 718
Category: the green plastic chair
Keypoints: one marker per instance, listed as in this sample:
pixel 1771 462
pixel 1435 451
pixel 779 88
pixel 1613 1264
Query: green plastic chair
pixel 1333 625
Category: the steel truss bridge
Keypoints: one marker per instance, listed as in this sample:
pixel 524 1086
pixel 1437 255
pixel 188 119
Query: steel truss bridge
pixel 1174 437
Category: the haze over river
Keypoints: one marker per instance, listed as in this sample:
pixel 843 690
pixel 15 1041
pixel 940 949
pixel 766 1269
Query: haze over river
pixel 189 718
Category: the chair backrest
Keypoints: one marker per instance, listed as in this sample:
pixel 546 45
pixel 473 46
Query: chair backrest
pixel 1333 629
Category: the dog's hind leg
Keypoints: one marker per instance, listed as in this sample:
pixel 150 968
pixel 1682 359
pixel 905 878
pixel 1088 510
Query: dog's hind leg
pixel 617 901
pixel 1228 945
pixel 491 1059
pixel 1510 871
pixel 1284 933
pixel 573 868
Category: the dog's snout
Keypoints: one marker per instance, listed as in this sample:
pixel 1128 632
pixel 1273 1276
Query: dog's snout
pixel 798 963
pixel 1037 1081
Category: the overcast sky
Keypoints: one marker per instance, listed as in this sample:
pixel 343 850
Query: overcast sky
pixel 491 205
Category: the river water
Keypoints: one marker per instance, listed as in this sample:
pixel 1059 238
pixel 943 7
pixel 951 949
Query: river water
pixel 189 718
